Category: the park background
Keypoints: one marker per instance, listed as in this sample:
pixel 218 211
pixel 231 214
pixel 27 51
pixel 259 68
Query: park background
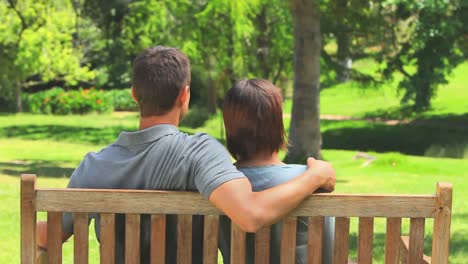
pixel 391 76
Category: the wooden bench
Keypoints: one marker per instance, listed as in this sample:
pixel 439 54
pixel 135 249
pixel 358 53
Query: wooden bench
pixel 185 204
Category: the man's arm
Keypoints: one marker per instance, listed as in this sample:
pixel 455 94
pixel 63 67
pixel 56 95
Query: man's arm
pixel 253 210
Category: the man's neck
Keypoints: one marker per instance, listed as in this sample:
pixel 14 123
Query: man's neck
pixel 171 118
pixel 261 159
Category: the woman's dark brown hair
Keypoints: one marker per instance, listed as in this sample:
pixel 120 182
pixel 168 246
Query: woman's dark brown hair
pixel 253 117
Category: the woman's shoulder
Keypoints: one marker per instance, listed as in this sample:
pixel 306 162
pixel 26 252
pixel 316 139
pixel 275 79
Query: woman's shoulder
pixel 264 177
pixel 274 169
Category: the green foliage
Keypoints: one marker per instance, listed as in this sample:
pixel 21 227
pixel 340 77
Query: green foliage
pixel 76 43
pixel 221 37
pixel 196 117
pixel 433 45
pixel 36 43
pixel 59 101
pixel 122 100
pixel 421 40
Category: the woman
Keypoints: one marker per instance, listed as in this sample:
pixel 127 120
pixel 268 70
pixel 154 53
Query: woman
pixel 253 117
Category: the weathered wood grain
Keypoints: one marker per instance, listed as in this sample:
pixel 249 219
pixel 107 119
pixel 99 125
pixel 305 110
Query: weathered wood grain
pixel 158 239
pixel 315 240
pixel 28 219
pixel 288 240
pixel 160 202
pixel 80 234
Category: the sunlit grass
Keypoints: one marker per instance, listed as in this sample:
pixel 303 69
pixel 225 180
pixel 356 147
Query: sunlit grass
pixel 360 100
pixel 389 173
pixel 52 146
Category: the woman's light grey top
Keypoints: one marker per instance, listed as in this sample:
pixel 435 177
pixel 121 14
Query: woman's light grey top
pixel 264 177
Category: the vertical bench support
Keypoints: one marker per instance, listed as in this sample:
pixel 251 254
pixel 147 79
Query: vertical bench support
pixel 441 233
pixel 28 219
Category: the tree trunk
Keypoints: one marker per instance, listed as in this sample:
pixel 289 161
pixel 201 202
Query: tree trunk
pixel 263 44
pixel 344 58
pixel 19 102
pixel 211 97
pixel 343 41
pixel 304 135
pixel 423 88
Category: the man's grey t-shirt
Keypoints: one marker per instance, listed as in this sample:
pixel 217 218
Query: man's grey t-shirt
pixel 157 158
pixel 264 177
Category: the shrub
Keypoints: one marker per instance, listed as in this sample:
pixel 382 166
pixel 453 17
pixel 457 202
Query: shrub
pixel 59 101
pixel 122 100
pixel 7 104
pixel 196 117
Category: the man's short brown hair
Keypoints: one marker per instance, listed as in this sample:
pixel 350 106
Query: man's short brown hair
pixel 253 117
pixel 159 74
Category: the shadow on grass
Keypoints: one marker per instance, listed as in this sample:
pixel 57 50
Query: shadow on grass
pixel 429 139
pixel 41 168
pixel 407 112
pixel 436 141
pixel 77 134
pixel 458 245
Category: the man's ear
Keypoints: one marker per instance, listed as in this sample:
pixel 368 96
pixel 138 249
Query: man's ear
pixel 134 96
pixel 184 95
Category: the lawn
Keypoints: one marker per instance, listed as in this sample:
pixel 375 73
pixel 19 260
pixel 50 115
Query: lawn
pixel 383 100
pixel 52 146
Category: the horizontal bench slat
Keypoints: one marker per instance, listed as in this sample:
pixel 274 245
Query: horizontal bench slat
pixel 163 202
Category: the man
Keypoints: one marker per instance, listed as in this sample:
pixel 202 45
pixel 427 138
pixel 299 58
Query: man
pixel 160 157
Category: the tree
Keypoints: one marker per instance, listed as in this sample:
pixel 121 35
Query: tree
pixel 431 45
pixel 226 40
pixel 422 41
pixel 343 40
pixel 356 28
pixel 36 46
pixel 304 135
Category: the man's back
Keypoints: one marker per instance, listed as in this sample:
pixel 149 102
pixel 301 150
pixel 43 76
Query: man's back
pixel 157 158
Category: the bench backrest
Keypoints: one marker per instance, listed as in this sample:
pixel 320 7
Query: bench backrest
pixel 133 203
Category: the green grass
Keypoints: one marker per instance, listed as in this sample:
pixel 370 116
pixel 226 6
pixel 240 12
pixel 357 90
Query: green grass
pixel 52 146
pixel 53 162
pixel 359 100
pixel 390 173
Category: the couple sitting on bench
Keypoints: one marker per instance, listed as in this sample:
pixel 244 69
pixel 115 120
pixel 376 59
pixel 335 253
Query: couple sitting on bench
pixel 256 191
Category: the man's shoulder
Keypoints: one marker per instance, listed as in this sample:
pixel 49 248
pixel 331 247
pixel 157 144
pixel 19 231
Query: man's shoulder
pixel 203 137
pixel 103 152
pixel 205 141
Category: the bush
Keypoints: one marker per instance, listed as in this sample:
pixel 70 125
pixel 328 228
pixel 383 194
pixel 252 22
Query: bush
pixel 196 117
pixel 122 100
pixel 7 105
pixel 59 101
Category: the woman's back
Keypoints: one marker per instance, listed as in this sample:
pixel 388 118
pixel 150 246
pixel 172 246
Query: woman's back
pixel 264 177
